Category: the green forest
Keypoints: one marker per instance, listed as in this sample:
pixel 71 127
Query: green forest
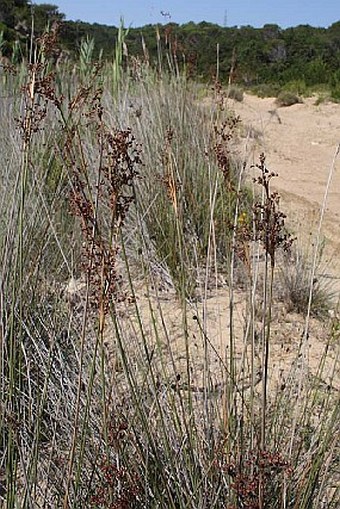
pixel 304 55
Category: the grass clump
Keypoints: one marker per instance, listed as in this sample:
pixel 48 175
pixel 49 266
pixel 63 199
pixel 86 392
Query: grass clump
pixel 322 98
pixel 235 93
pixel 296 279
pixel 285 99
pixel 335 93
pixel 297 87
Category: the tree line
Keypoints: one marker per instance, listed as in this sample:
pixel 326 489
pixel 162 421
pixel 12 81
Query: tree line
pixel 249 55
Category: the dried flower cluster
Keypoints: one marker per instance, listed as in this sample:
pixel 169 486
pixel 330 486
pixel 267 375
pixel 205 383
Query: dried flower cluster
pixel 39 89
pixel 118 169
pixel 269 220
pixel 223 135
pixel 48 42
pixel 246 475
pixel 266 223
pixel 117 486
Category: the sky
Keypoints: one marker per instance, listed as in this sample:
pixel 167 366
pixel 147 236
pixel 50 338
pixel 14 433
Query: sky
pixel 137 13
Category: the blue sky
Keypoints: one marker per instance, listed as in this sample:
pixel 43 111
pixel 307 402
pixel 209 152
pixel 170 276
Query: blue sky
pixel 231 12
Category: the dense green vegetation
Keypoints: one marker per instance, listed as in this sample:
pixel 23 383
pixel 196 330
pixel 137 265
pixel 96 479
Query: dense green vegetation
pixel 304 56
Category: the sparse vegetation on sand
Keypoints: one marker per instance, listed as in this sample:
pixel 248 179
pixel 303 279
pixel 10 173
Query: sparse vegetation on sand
pixel 145 359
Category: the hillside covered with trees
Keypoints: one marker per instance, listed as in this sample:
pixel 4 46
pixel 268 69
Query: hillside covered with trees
pixel 255 56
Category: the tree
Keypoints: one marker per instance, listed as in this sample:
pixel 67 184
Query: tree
pixel 10 9
pixel 44 15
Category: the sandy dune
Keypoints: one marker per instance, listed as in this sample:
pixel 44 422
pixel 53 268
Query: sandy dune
pixel 300 147
pixel 300 143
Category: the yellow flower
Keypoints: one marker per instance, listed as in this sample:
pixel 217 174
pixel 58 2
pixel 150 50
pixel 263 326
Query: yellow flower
pixel 242 218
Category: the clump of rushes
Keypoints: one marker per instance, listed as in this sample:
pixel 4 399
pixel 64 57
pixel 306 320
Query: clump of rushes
pixel 160 435
pixel 101 185
pixel 263 226
pixel 101 192
pixel 270 232
pixel 97 183
pixel 19 412
pixel 236 205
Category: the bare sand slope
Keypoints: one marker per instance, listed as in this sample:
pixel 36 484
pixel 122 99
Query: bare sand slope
pixel 300 142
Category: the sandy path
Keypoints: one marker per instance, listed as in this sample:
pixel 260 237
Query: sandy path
pixel 301 150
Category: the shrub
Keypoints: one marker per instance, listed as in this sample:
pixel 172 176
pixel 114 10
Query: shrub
pixel 235 93
pixel 266 90
pixel 287 99
pixel 335 93
pixel 321 98
pixel 297 87
pixel 334 86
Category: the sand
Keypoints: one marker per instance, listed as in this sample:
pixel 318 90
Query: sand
pixel 300 143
